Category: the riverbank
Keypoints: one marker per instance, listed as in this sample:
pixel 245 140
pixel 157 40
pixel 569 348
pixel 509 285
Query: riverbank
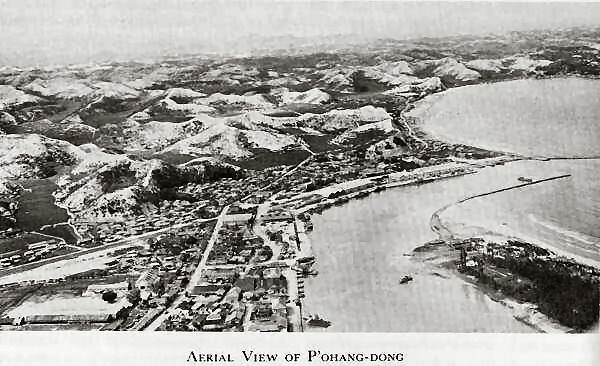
pixel 481 220
pixel 439 254
pixel 546 291
pixel 336 250
pixel 368 243
pixel 375 301
pixel 410 210
pixel 526 311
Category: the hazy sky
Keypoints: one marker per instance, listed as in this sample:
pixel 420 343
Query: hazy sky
pixel 73 31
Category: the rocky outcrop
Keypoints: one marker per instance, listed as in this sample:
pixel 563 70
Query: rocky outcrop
pixel 451 68
pixel 11 97
pixel 312 96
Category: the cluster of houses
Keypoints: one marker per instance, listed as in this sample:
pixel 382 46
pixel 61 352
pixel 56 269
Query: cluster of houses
pixel 150 276
pixel 235 299
pixel 32 252
pixel 431 173
pixel 331 168
pixel 477 254
pixel 281 234
pixel 240 289
pixel 219 193
pixel 166 271
pixel 236 243
pixel 214 195
pixel 168 213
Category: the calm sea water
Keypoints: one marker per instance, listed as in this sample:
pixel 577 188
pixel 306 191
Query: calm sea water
pixel 562 215
pixel 360 249
pixel 551 117
pixel 360 246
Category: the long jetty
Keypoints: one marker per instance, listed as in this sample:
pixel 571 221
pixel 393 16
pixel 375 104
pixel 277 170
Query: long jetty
pixel 514 187
pixel 436 223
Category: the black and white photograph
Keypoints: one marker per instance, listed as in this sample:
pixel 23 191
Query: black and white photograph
pixel 299 166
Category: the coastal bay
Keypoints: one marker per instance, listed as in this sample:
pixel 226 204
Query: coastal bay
pixel 364 247
pixel 553 117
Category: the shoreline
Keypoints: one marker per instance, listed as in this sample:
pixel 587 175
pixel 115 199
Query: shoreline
pixel 366 186
pixel 532 316
pixel 322 308
pixel 415 113
pixel 524 312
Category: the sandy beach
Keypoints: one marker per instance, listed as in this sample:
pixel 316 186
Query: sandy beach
pixel 363 248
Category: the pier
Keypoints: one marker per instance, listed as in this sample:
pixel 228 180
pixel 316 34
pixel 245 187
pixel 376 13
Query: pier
pixel 437 226
pixel 514 187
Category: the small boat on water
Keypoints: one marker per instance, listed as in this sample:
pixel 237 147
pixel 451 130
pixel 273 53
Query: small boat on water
pixel 379 188
pixel 316 321
pixel 525 179
pixel 405 280
pixel 305 260
pixel 310 272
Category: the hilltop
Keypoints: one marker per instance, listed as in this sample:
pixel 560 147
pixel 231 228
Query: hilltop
pixel 77 123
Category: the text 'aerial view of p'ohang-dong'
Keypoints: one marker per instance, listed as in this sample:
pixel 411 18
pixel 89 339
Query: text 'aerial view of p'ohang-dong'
pixel 425 185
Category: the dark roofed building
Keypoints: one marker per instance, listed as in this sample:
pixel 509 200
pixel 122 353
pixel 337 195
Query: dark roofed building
pixel 246 283
pixel 205 288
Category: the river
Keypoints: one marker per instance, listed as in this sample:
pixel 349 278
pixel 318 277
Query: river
pixel 361 246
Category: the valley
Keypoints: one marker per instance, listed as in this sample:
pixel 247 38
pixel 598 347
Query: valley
pixel 185 186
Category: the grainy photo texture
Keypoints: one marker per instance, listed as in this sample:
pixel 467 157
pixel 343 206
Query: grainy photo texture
pixel 300 166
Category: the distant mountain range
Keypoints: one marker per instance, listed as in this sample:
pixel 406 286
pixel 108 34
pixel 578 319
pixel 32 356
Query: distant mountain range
pixel 105 131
